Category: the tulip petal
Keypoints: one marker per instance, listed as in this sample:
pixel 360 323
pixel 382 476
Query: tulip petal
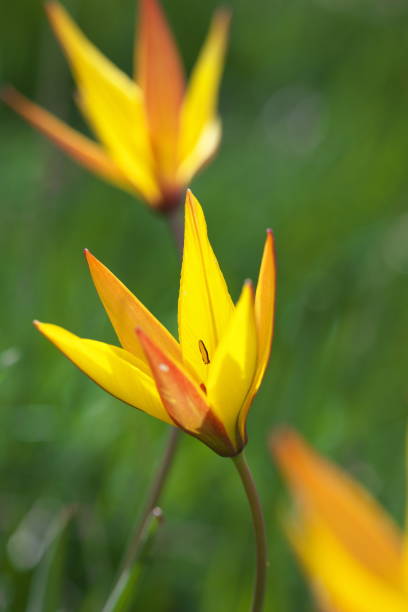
pixel 111 102
pixel 159 73
pixel 184 400
pixel 80 148
pixel 199 108
pixel 112 368
pixel 352 514
pixel 341 582
pixel 202 153
pixel 234 365
pixel 265 307
pixel 264 316
pixel 126 313
pixel 205 306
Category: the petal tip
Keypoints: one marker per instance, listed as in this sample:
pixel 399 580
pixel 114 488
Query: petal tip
pixel 8 94
pixel 51 6
pixel 223 14
pixel 249 286
pixel 270 236
pixel 189 198
pixel 283 442
pixel 90 258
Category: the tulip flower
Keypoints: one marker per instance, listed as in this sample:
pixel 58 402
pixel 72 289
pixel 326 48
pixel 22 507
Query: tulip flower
pixel 353 553
pixel 154 132
pixel 205 383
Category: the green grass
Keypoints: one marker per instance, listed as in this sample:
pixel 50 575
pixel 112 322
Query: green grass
pixel 316 147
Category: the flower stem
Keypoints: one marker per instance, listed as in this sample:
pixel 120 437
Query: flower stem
pixel 154 494
pixel 259 528
pixel 176 227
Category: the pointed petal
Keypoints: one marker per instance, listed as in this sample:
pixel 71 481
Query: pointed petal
pixel 115 370
pixel 80 148
pixel 264 316
pixel 199 108
pixel 184 400
pixel 112 103
pixel 160 75
pixel 405 538
pixel 126 313
pixel 339 580
pixel 265 307
pixel 351 513
pixel 205 306
pixel 202 153
pixel 233 367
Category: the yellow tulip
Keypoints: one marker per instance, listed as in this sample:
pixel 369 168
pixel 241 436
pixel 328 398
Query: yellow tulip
pixel 205 383
pixel 353 553
pixel 154 132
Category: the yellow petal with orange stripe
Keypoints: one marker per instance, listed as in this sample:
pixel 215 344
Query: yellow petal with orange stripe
pixel 185 401
pixel 126 313
pixel 355 518
pixel 265 307
pixel 160 75
pixel 264 317
pixel 114 369
pixel 341 582
pixel 199 107
pixel 80 148
pixel 112 102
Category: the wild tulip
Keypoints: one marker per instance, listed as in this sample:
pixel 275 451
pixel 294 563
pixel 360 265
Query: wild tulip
pixel 155 131
pixel 353 553
pixel 205 383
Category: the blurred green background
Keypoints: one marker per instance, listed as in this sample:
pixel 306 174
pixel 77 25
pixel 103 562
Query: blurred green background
pixel 314 107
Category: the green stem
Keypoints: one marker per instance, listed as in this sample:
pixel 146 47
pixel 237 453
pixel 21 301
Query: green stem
pixel 176 226
pixel 126 582
pixel 259 528
pixel 154 493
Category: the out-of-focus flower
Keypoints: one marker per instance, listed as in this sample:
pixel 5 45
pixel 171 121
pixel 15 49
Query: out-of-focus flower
pixel 204 384
pixel 155 133
pixel 355 556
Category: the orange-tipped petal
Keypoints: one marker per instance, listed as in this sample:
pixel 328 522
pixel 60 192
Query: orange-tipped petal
pixel 340 582
pixel 80 148
pixel 200 105
pixel 265 306
pixel 264 316
pixel 159 73
pixel 184 401
pixel 112 368
pixel 205 306
pixel 111 102
pixel 126 313
pixel 355 518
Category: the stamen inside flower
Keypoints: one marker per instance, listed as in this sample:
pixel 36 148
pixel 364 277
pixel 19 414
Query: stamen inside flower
pixel 204 352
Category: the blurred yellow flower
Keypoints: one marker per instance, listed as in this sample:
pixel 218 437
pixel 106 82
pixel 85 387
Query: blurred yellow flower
pixel 155 133
pixel 355 556
pixel 204 384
